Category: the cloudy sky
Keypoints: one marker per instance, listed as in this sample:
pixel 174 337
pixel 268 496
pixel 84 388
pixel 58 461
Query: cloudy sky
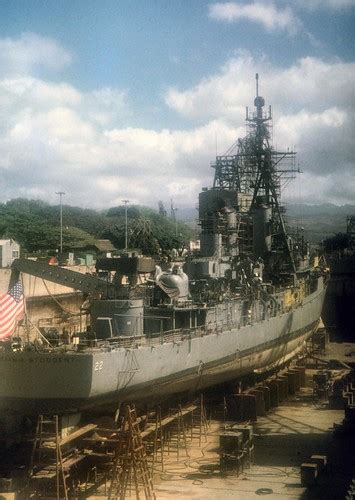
pixel 131 99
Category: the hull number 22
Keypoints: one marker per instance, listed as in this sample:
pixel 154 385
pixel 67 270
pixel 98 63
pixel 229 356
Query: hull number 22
pixel 98 365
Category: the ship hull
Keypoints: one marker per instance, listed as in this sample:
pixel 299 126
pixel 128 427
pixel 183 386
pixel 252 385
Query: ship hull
pixel 33 382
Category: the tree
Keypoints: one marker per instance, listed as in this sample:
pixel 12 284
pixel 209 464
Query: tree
pixel 36 226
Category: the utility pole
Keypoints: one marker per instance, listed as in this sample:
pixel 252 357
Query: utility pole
pixel 175 218
pixel 126 223
pixel 61 193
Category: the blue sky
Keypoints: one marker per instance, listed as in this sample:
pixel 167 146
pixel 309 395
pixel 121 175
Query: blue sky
pixel 128 99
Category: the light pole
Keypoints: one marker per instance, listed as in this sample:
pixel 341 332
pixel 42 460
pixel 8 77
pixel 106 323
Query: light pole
pixel 61 193
pixel 175 217
pixel 126 224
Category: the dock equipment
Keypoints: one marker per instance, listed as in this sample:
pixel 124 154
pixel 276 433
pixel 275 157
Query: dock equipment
pixel 231 452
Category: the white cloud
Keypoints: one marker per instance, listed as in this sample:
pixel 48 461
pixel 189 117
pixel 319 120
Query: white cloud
pixel 315 189
pixel 309 82
pixel 22 55
pixel 270 16
pixel 223 94
pixel 105 105
pixel 296 128
pixel 26 94
pixel 55 137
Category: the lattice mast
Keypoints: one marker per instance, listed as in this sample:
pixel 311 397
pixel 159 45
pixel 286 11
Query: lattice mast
pixel 272 168
pixel 241 215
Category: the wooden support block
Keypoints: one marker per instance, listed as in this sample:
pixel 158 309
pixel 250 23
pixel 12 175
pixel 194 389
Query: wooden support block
pixel 283 387
pixel 230 463
pixel 245 407
pixel 320 460
pixel 246 430
pixel 302 371
pixel 232 452
pixel 267 399
pixel 234 407
pixel 274 392
pixel 297 378
pixel 260 403
pixel 292 385
pixel 338 386
pixel 230 442
pixel 309 474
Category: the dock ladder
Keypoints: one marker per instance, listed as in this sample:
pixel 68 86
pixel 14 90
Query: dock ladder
pixel 46 459
pixel 131 461
pixel 199 422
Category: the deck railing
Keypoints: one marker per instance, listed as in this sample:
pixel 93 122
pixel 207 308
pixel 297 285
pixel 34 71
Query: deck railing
pixel 174 336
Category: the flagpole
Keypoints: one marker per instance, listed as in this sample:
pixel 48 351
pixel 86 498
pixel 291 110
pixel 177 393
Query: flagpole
pixel 25 310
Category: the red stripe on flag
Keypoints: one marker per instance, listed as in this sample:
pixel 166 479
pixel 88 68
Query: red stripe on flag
pixel 8 311
pixel 11 309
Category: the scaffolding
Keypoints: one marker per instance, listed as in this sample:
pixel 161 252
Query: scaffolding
pixel 253 168
pixel 131 465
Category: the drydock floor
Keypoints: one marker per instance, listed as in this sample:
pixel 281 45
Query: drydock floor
pixel 284 438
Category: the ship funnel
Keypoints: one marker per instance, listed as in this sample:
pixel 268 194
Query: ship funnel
pixel 261 214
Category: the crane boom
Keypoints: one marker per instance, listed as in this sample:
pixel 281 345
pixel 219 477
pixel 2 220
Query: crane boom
pixel 65 277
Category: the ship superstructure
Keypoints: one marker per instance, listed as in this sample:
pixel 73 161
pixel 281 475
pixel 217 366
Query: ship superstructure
pixel 247 302
pixel 244 243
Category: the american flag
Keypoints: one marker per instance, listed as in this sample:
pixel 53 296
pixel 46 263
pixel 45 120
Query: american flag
pixel 11 309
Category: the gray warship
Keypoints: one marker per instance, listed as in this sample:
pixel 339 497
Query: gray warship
pixel 246 303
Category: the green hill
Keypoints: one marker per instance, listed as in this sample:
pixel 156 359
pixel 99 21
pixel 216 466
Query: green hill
pixel 36 226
